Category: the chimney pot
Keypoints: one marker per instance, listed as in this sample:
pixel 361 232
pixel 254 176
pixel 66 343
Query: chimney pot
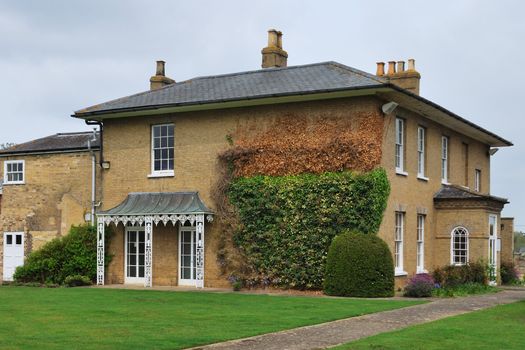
pixel 400 66
pixel 380 69
pixel 391 67
pixel 280 39
pixel 273 38
pixel 411 64
pixel 161 68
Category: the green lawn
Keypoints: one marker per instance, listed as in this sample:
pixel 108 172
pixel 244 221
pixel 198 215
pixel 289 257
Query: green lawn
pixel 68 318
pixel 500 327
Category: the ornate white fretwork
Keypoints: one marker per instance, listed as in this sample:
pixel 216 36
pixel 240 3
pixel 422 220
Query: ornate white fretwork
pixel 156 219
pixel 199 230
pixel 100 251
pixel 149 251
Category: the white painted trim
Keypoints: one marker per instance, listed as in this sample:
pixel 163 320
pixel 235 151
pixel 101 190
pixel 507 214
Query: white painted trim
pixel 401 123
pixel 192 281
pixel 422 267
pixel 452 245
pixel 6 162
pixel 400 273
pixel 493 241
pixel 445 157
pixel 401 172
pixel 161 173
pixel 422 140
pixel 133 280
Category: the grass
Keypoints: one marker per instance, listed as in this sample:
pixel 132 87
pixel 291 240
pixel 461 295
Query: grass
pixel 89 318
pixel 464 290
pixel 500 327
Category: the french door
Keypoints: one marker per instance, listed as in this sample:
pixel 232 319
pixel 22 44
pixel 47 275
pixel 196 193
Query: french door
pixel 187 256
pixel 135 254
pixel 13 253
pixel 493 251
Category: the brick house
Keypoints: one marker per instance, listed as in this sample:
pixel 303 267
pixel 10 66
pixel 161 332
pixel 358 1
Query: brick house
pixel 160 150
pixel 47 187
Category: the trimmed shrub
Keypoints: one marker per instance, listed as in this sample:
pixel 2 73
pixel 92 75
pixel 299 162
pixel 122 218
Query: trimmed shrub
pixel 359 265
pixel 509 273
pixel 453 276
pixel 420 286
pixel 77 281
pixel 288 222
pixel 72 254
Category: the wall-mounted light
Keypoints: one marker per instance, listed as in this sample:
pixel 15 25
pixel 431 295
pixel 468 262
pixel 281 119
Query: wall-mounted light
pixel 389 107
pixel 105 165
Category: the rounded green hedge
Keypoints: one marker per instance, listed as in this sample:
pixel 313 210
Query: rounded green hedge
pixel 359 265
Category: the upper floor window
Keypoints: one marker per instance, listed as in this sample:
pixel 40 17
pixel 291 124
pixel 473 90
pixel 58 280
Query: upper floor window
pixel 444 159
pixel 162 149
pixel 477 180
pixel 459 246
pixel 400 138
pixel 398 241
pixel 14 172
pixel 421 152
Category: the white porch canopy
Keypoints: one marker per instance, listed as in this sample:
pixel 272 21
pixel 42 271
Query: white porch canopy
pixel 148 208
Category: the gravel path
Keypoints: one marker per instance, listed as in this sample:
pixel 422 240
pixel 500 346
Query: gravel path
pixel 330 334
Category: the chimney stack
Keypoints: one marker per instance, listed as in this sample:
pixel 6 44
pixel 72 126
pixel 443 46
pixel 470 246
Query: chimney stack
pixel 407 79
pixel 273 55
pixel 160 79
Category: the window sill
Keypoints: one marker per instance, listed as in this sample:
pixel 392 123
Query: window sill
pixel 400 273
pixel 444 182
pixel 401 172
pixel 422 178
pixel 421 271
pixel 14 183
pixel 164 174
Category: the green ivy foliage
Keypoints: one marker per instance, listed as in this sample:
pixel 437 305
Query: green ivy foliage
pixel 72 254
pixel 359 265
pixel 288 222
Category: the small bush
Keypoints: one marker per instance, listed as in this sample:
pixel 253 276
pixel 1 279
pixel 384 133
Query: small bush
pixel 420 286
pixel 77 281
pixel 452 275
pixel 509 273
pixel 359 265
pixel 463 290
pixel 72 254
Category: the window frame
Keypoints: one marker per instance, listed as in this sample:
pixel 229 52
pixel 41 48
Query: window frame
pixel 6 177
pixel 420 243
pixel 421 152
pixel 477 180
pixel 399 151
pixel 445 151
pixel 453 251
pixel 161 173
pixel 399 233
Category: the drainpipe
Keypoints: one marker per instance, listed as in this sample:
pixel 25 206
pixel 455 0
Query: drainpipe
pixel 93 178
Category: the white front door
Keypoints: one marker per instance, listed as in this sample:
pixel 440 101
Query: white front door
pixel 13 253
pixel 187 256
pixel 493 254
pixel 135 252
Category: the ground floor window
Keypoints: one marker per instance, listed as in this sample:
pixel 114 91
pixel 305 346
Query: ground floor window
pixel 420 243
pixel 459 246
pixel 398 238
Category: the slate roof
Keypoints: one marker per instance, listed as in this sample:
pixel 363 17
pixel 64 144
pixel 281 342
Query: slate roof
pixel 145 203
pixel 451 192
pixel 268 82
pixel 54 143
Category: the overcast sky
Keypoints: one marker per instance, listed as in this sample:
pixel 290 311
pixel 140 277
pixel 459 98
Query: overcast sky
pixel 60 56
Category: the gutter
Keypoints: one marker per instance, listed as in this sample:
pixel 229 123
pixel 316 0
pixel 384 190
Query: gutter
pixel 55 151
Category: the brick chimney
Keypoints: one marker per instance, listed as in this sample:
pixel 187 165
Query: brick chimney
pixel 160 79
pixel 273 55
pixel 397 74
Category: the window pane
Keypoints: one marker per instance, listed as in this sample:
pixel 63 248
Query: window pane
pixel 170 130
pixel 9 239
pixel 170 141
pixel 18 239
pixel 164 164
pixel 163 142
pixel 157 165
pixel 132 271
pixel 156 131
pixel 156 142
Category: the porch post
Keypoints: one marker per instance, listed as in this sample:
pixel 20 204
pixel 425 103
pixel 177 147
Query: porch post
pixel 100 250
pixel 149 251
pixel 200 251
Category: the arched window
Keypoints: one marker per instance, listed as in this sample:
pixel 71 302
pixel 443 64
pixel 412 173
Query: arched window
pixel 459 246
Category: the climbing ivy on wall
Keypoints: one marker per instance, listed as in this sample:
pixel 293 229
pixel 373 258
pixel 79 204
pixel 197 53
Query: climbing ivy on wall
pixel 286 223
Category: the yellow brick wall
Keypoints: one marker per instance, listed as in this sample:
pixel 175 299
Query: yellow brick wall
pixel 413 195
pixel 199 138
pixel 56 195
